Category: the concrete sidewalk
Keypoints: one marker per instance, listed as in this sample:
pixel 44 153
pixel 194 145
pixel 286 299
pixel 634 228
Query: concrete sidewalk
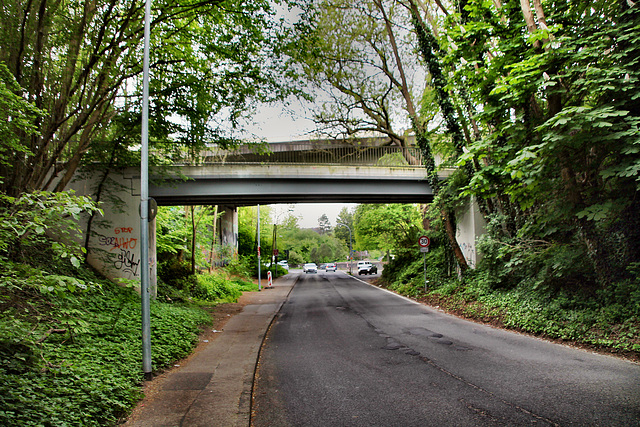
pixel 213 388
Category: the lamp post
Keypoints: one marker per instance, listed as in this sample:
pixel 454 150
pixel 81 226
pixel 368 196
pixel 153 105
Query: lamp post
pixel 350 263
pixel 145 295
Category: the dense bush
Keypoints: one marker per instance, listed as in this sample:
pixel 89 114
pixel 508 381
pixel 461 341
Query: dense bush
pixel 219 287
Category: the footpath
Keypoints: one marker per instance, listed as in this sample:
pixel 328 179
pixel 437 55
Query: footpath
pixel 213 386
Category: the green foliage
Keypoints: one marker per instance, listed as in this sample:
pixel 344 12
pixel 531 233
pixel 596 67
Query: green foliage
pixel 387 227
pixel 17 116
pixel 341 232
pixel 309 246
pixel 211 64
pixel 557 151
pixel 52 343
pixel 295 258
pixel 219 287
pixel 26 221
pixel 176 274
pixel 172 232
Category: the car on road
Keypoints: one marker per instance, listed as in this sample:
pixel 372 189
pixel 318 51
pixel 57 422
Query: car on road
pixel 331 267
pixel 366 267
pixel 310 267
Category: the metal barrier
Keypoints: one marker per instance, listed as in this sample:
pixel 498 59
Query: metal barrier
pixel 311 152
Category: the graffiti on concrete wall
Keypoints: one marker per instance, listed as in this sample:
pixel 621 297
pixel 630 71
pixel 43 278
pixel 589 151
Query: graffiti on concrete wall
pixel 125 261
pixel 468 250
pixel 115 243
pixel 119 246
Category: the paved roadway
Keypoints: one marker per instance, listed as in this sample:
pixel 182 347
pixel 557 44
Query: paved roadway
pixel 344 353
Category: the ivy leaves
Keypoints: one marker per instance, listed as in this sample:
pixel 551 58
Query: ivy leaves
pixel 28 220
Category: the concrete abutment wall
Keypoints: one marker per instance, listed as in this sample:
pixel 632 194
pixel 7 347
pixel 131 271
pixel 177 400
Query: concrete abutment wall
pixel 114 241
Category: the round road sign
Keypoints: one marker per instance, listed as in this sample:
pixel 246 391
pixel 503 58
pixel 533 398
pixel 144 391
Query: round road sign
pixel 424 241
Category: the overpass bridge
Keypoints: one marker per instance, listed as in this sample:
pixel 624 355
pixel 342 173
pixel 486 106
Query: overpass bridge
pixel 297 172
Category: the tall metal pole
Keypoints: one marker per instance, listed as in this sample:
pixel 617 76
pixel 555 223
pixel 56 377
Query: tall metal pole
pixel 259 263
pixel 144 203
pixel 350 263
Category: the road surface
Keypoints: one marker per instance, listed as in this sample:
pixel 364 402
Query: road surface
pixel 344 353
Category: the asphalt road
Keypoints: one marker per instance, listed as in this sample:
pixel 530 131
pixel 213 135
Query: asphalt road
pixel 344 353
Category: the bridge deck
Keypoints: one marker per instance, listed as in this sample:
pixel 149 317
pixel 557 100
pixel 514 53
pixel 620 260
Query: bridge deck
pixel 365 170
pixel 267 184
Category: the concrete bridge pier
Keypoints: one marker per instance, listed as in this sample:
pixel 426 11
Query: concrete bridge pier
pixel 227 234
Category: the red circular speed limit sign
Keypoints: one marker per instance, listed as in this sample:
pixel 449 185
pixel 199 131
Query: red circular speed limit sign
pixel 424 241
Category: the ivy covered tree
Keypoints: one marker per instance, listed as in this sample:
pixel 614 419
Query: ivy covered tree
pixel 556 153
pixel 536 103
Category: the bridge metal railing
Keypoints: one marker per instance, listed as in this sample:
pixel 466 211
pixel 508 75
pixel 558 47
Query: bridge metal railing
pixel 314 153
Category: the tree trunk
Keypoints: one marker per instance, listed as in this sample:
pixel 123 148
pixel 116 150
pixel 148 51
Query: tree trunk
pixel 452 126
pixel 193 239
pixel 450 229
pixel 529 20
pixel 215 235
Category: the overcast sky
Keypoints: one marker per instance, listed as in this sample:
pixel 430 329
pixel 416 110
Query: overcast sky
pixel 308 213
pixel 275 125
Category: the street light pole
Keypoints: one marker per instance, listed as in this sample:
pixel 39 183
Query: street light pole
pixel 350 269
pixel 259 262
pixel 144 203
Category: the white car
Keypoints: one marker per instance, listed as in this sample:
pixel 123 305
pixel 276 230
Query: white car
pixel 365 267
pixel 284 264
pixel 310 268
pixel 331 267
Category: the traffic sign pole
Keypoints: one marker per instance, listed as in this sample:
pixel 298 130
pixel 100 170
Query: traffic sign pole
pixel 423 242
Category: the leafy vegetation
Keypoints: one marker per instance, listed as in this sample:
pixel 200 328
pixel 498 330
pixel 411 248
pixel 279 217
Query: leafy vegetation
pixel 80 65
pixel 293 243
pixel 536 106
pixel 536 109
pixel 53 342
pixel 70 340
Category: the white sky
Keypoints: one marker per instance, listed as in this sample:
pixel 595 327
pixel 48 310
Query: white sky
pixel 308 213
pixel 275 125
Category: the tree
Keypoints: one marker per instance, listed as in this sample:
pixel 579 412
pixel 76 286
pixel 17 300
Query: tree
pixel 80 63
pixel 387 227
pixel 342 232
pixel 307 245
pixel 362 51
pixel 17 117
pixel 345 53
pixel 324 224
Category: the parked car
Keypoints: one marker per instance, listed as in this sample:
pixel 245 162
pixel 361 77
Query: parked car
pixel 284 264
pixel 322 266
pixel 331 266
pixel 310 268
pixel 365 267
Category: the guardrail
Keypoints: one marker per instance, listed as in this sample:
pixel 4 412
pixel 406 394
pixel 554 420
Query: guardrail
pixel 315 153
